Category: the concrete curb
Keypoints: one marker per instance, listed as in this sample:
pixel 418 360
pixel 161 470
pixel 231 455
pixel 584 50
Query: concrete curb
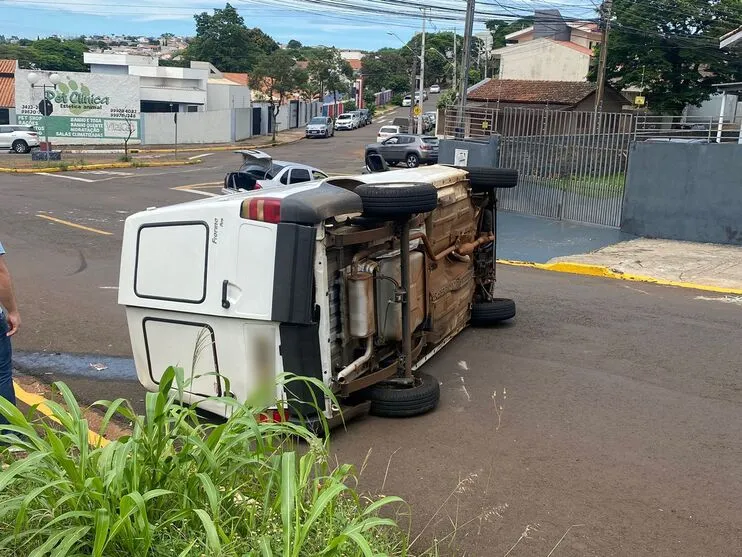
pixel 101 166
pixel 219 147
pixel 31 399
pixel 606 272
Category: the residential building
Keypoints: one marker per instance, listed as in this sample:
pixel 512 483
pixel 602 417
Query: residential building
pixel 552 95
pixel 550 50
pixel 7 91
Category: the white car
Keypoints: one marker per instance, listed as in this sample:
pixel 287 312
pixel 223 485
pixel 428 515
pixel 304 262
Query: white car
pixel 320 126
pixel 259 171
pixel 348 121
pixel 435 88
pixel 241 289
pixel 407 101
pixel 20 139
pixel 386 132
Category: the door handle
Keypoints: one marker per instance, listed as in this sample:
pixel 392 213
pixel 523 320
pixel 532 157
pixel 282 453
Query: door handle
pixel 225 301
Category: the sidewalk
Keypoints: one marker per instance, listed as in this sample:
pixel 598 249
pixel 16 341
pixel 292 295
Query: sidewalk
pixel 576 248
pixel 694 265
pixel 258 142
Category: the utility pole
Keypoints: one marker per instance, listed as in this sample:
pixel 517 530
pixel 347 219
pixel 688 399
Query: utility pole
pixel 466 60
pixel 606 13
pixel 411 125
pixel 422 80
pixel 455 75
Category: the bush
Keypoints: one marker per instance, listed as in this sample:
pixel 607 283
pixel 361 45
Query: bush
pixel 349 106
pixel 446 99
pixel 397 99
pixel 180 486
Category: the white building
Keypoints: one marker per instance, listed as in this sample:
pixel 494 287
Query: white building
pixel 549 50
pixel 199 88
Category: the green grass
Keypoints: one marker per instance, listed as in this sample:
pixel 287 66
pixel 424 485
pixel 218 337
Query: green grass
pixel 182 486
pixel 611 185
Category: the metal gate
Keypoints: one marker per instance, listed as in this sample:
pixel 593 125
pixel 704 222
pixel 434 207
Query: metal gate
pixel 572 165
pixel 257 121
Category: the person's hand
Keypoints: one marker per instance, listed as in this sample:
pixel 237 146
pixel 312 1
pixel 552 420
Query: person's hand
pixel 14 323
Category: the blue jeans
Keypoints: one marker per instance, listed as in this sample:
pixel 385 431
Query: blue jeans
pixel 6 365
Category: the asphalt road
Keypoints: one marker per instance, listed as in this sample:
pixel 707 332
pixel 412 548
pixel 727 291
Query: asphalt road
pixel 620 402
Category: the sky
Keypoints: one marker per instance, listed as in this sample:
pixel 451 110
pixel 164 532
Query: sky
pixel 307 24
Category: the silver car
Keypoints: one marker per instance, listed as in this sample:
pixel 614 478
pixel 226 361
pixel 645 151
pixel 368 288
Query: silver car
pixel 260 171
pixel 320 126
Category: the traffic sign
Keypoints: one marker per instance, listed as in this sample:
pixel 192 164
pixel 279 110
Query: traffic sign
pixel 417 111
pixel 46 107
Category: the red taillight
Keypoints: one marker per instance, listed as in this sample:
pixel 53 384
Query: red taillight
pixel 257 186
pixel 425 147
pixel 275 416
pixel 33 134
pixel 264 209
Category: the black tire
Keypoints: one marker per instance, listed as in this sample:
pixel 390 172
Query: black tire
pixel 397 200
pixel 396 401
pixel 20 146
pixel 483 179
pixel 412 160
pixel 489 313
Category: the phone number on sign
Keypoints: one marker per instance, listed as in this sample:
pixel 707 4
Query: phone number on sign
pixel 124 113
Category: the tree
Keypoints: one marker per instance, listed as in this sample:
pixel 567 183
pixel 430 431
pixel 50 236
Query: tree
pixel 293 44
pixel 672 54
pixel 52 54
pixel 386 69
pixel 328 71
pixel 275 77
pixel 223 40
pixel 500 28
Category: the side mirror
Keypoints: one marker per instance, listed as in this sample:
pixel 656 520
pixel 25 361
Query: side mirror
pixel 376 163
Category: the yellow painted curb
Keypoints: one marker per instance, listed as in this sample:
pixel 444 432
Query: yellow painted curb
pixel 101 166
pixel 31 399
pixel 606 272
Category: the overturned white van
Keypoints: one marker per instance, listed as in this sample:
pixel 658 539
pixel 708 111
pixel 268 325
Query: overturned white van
pixel 356 282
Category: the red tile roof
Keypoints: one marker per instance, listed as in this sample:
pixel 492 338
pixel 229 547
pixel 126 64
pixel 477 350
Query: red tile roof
pixel 7 83
pixel 355 64
pixel 574 46
pixel 238 78
pixel 7 66
pixel 567 93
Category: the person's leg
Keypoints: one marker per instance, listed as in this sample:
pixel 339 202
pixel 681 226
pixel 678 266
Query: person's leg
pixel 6 367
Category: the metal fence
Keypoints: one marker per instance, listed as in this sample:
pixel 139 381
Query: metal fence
pixel 572 165
pixel 691 129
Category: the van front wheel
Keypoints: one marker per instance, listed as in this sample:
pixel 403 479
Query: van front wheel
pixel 398 401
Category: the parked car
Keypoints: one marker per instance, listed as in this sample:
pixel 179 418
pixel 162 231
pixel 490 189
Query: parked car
pixel 320 126
pixel 412 150
pixel 407 100
pixel 366 116
pixel 435 88
pixel 259 171
pixel 289 280
pixel 347 121
pixel 425 95
pixel 20 139
pixel 387 131
pixel 361 118
pixel 430 119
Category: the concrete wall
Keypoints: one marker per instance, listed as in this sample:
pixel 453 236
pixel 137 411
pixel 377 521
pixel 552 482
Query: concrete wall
pixel 242 123
pixel 542 59
pixel 193 127
pixel 223 97
pixel 684 192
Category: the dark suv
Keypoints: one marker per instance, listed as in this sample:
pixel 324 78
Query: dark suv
pixel 412 150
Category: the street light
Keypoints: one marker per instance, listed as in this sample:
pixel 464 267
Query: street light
pixel 45 104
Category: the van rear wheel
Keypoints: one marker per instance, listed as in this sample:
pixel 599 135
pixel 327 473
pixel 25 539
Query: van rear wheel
pixel 399 401
pixel 397 200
